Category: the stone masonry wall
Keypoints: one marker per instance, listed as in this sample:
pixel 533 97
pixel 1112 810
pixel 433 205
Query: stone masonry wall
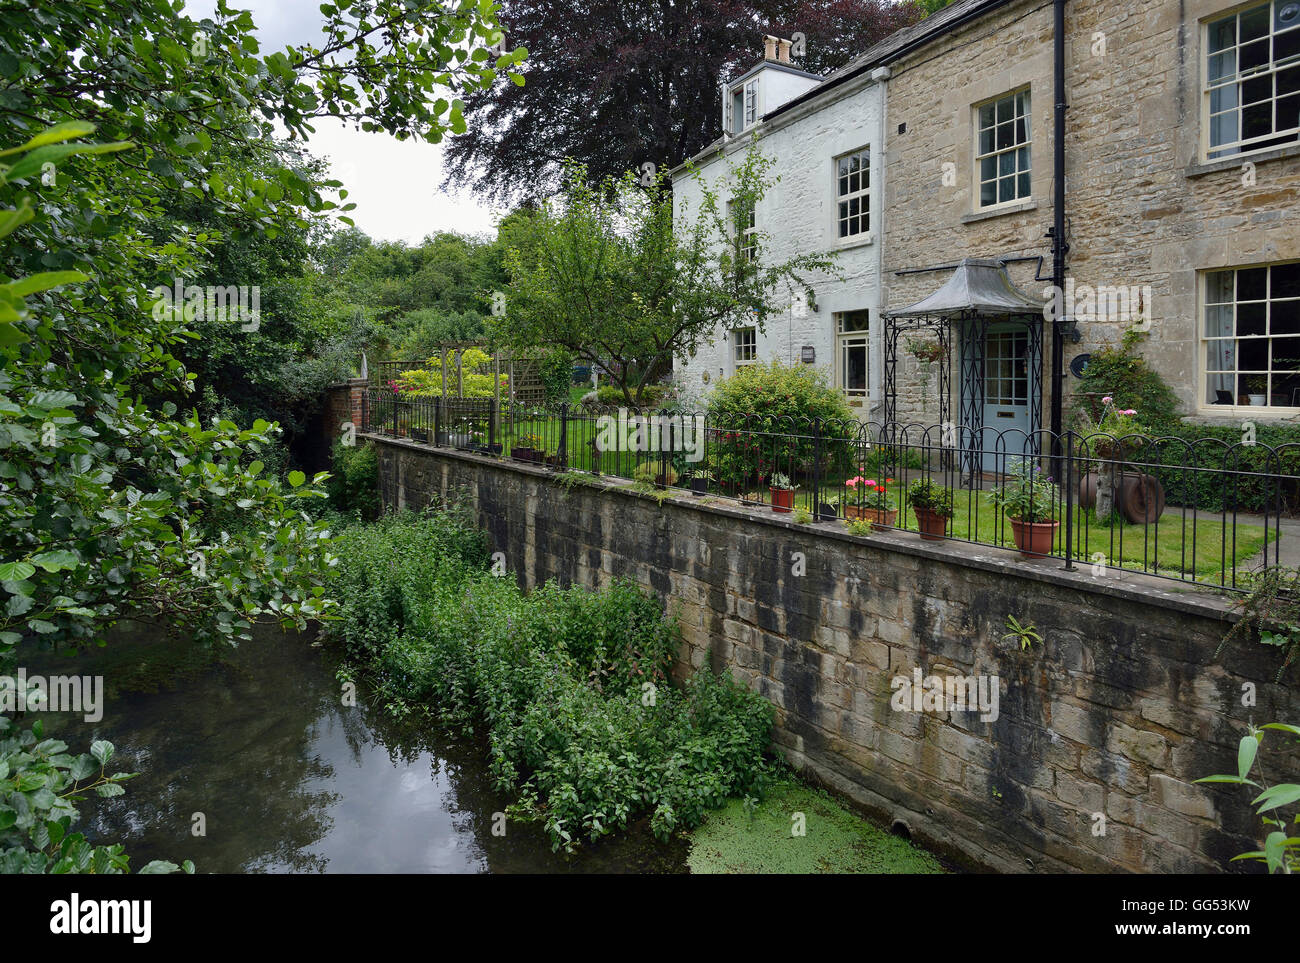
pixel 1143 208
pixel 1113 716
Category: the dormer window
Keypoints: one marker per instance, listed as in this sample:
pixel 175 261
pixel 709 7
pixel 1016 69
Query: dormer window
pixel 744 106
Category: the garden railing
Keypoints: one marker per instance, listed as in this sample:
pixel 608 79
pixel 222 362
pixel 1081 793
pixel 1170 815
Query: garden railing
pixel 1202 511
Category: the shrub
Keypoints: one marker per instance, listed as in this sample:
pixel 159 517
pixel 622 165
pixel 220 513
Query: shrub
pixel 652 396
pixel 1120 373
pixel 354 483
pixel 763 414
pixel 571 686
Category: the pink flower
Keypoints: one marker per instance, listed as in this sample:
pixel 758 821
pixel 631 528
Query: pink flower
pixel 1107 400
pixel 871 484
pixel 1131 411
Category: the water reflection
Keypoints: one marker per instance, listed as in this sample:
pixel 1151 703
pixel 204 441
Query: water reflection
pixel 288 779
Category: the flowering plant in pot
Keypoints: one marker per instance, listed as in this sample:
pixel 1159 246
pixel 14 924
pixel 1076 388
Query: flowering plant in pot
pixel 870 500
pixel 782 492
pixel 1029 500
pixel 528 447
pixel 932 505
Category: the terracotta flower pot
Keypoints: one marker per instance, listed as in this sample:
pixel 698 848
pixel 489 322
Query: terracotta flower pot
pixel 782 500
pixel 885 518
pixel 1034 539
pixel 933 526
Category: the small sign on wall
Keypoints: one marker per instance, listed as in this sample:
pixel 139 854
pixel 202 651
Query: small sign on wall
pixel 808 354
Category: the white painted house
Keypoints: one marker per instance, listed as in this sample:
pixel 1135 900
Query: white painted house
pixel 826 149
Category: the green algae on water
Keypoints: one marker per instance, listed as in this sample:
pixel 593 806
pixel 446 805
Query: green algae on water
pixel 835 839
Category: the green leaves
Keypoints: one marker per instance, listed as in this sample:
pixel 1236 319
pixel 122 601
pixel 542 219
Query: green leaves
pixel 1281 852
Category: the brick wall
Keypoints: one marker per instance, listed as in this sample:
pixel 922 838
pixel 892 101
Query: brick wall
pixel 1115 714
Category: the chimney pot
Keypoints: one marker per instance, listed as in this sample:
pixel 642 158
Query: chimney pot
pixel 783 52
pixel 769 47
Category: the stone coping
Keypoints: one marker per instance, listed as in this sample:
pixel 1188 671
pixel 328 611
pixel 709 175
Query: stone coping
pixel 1127 585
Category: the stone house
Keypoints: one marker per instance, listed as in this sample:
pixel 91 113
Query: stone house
pixel 1179 158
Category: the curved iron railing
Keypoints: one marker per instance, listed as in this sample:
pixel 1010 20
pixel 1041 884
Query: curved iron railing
pixel 1202 511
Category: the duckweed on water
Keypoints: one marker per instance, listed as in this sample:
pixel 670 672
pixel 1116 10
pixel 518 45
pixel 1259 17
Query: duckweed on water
pixel 836 840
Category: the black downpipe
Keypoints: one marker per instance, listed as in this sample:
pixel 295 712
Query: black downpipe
pixel 1059 245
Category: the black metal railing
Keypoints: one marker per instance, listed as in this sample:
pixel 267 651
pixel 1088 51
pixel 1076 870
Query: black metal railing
pixel 1201 511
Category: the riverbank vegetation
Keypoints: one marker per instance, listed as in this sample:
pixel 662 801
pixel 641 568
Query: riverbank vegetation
pixel 571 686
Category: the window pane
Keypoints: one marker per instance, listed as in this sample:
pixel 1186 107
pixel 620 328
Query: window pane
pixel 988 168
pixel 1219 287
pixel 1252 284
pixel 1218 321
pixel 1286 354
pixel 1223 33
pixel 1222 66
pixel 1251 319
pixel 1285 280
pixel 988 193
pixel 986 116
pixel 1254 23
pixel 1284 317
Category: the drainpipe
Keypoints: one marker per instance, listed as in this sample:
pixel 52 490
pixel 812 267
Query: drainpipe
pixel 1059 245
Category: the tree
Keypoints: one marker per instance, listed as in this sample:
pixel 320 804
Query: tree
pixel 616 84
pixel 607 276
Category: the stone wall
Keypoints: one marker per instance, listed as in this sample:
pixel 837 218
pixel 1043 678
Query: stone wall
pixel 1143 209
pixel 1113 716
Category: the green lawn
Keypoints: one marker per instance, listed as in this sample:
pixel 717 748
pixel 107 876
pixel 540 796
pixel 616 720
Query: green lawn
pixel 1171 546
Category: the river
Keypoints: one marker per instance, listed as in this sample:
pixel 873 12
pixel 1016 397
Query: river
pixel 288 779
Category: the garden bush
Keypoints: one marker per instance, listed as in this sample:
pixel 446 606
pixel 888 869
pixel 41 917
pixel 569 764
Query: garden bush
pixel 353 486
pixel 571 687
pixel 764 417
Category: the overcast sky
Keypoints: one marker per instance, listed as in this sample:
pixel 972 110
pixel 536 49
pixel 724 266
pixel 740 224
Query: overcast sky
pixel 394 185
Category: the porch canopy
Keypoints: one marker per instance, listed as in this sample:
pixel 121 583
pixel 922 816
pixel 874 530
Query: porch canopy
pixel 978 294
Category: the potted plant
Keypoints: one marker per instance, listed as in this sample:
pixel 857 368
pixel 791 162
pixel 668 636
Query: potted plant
pixel 1029 501
pixel 528 448
pixel 1257 386
pixel 932 505
pixel 828 509
pixel 782 492
pixel 700 478
pixel 870 500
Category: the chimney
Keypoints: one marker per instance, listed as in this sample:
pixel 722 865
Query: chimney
pixel 783 53
pixel 769 47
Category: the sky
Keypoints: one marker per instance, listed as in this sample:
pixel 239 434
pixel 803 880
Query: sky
pixel 396 186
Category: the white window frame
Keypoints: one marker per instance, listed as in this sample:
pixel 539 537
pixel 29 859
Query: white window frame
pixel 862 195
pixel 852 340
pixel 749 111
pixel 1241 147
pixel 1027 144
pixel 744 346
pixel 748 235
pixel 1206 343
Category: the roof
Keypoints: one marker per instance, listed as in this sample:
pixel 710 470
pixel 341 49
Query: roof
pixel 977 286
pixel 898 43
pixel 777 65
pixel 891 48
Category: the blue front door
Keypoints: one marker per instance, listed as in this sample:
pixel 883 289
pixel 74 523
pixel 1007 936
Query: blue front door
pixel 1007 427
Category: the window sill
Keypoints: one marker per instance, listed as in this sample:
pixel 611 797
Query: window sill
pixel 1017 208
pixel 1236 412
pixel 861 240
pixel 1236 161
